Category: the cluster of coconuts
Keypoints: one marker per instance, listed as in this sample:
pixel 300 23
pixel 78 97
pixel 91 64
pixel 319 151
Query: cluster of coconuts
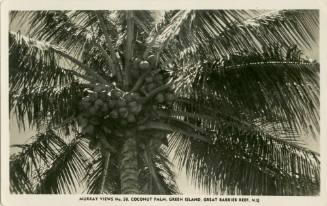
pixel 125 109
pixel 104 102
pixel 154 79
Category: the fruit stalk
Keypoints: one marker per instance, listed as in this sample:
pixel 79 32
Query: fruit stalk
pixel 157 90
pixel 139 82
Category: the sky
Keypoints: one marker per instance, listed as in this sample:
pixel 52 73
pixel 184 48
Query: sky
pixel 20 137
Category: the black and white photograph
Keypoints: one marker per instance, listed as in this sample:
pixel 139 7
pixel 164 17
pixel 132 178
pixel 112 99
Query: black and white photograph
pixel 215 102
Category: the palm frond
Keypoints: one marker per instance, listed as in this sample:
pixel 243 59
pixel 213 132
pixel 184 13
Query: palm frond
pixel 32 62
pixel 42 105
pixel 19 180
pixel 271 87
pixel 66 171
pixel 144 21
pixel 71 30
pixel 157 177
pixel 222 32
pixel 28 165
pixel 266 164
pixel 35 62
pixel 95 171
pixel 241 163
pixel 68 29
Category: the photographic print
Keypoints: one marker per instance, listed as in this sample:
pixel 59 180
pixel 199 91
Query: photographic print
pixel 164 102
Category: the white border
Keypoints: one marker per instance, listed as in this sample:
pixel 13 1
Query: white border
pixel 6 5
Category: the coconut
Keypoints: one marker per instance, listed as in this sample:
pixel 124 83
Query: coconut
pixel 123 112
pixel 160 98
pixel 144 65
pixel 114 114
pixel 94 97
pixel 132 104
pixel 136 109
pixel 124 122
pixel 136 96
pixel 116 93
pixel 152 60
pixel 136 60
pixel 112 103
pixel 98 102
pixel 121 103
pixel 104 108
pixel 128 97
pixel 93 110
pixel 99 88
pixel 87 98
pixel 97 107
pixel 131 118
pixel 136 64
pixel 86 104
pixel 103 95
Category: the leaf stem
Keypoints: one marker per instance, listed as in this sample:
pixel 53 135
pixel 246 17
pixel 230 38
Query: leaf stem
pixel 148 159
pixel 172 128
pixel 129 48
pixel 112 60
pixel 80 64
pixel 105 171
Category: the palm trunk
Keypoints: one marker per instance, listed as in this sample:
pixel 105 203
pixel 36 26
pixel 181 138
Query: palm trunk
pixel 128 158
pixel 129 168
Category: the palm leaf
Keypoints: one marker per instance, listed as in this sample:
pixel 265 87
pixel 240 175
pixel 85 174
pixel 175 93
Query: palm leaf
pixel 270 88
pixel 267 164
pixel 156 176
pixel 33 62
pixel 19 180
pixel 38 62
pixel 28 165
pixel 94 175
pixel 68 29
pixel 44 105
pixel 222 32
pixel 66 171
pixel 243 162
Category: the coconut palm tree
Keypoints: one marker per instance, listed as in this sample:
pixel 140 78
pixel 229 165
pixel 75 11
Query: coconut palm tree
pixel 111 94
